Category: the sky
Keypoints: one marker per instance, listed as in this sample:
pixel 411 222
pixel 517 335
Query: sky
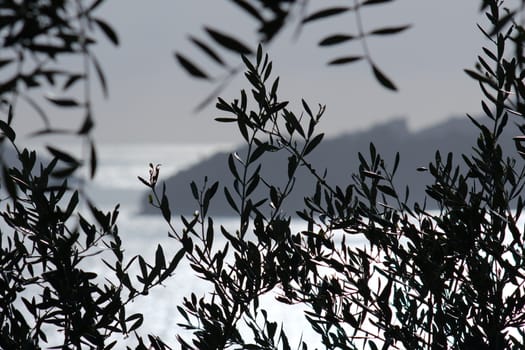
pixel 152 99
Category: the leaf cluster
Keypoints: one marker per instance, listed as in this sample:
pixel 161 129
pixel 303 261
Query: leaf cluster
pixel 451 278
pixel 47 253
pixel 37 38
pixel 52 234
pixel 271 18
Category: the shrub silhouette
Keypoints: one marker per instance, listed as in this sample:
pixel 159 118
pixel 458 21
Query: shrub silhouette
pixel 450 278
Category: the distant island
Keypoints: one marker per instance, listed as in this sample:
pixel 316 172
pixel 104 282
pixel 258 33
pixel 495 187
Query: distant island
pixel 417 149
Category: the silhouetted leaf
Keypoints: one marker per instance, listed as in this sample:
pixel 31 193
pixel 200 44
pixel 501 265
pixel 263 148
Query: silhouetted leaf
pixel 100 75
pixel 160 260
pixel 387 190
pixel 7 131
pixel 225 119
pixel 242 124
pixel 194 190
pixel 50 50
pixel 87 125
pixel 374 2
pixel 233 168
pixel 73 78
pixel 307 108
pixel 396 163
pixel 138 318
pixel 252 184
pixel 63 101
pixel 144 181
pixel 208 50
pixel 95 4
pixel 274 197
pixel 336 39
pixel 230 200
pixel 345 60
pixel 258 152
pixel 165 208
pixel 65 171
pixel 175 261
pixel 190 67
pixel 92 160
pixel 63 156
pixel 208 195
pixel 4 61
pixel 259 55
pixel 292 166
pixel 250 67
pixel 386 82
pixel 108 31
pixel 313 143
pixel 229 42
pixel 292 123
pixel 8 182
pixel 209 235
pixel 490 54
pixel 502 22
pixel 389 30
pixel 326 13
pixel 372 345
pixel 476 75
pixel 10 115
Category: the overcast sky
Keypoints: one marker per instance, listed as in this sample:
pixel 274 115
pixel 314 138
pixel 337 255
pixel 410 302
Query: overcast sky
pixel 152 98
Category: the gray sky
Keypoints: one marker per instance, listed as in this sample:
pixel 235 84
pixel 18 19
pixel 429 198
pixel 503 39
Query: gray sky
pixel 152 98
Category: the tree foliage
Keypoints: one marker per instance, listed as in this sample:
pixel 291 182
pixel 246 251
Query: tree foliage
pixel 271 18
pixel 51 232
pixel 451 278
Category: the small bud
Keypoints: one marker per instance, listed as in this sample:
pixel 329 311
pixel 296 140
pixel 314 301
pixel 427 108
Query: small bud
pixel 153 174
